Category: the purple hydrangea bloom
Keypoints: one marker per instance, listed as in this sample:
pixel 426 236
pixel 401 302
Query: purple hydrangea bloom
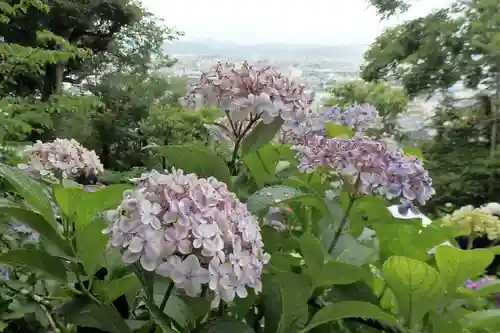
pixel 359 117
pixel 249 93
pixel 371 165
pixel 192 230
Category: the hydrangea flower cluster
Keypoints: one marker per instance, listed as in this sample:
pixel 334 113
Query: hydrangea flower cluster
pixel 371 165
pixel 66 158
pixel 192 230
pixel 359 117
pixel 474 221
pixel 250 93
pixel 484 281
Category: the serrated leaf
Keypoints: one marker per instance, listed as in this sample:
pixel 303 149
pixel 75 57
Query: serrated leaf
pixel 313 253
pixel 269 196
pixel 35 221
pixel 348 309
pixel 103 317
pixel 260 135
pixel 113 289
pixel 336 273
pixel 456 265
pixel 416 286
pixel 199 160
pixel 31 190
pixel 90 244
pixel 262 164
pixel 35 259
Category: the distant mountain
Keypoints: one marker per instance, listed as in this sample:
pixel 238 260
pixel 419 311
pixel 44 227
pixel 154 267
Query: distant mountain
pixel 267 50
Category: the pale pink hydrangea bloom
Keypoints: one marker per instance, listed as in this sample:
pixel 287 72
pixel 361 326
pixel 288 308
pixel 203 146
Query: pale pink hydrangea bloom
pixel 192 230
pixel 250 94
pixel 63 157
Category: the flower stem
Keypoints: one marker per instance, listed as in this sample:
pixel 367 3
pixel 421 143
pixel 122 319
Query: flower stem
pixel 342 225
pixel 470 242
pixel 166 296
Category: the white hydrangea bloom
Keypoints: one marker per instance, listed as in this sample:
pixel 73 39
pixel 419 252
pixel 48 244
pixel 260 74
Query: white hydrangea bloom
pixel 65 158
pixel 192 230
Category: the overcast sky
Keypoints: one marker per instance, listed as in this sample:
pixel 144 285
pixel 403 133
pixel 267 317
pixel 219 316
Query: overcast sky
pixel 329 22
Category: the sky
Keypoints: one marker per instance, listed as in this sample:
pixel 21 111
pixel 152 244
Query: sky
pixel 320 22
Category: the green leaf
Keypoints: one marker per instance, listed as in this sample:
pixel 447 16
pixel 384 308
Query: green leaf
pixel 31 190
pixel 285 297
pixel 35 259
pixel 313 253
pixel 336 272
pixel 103 317
pixel 348 309
pixel 195 159
pixel 416 286
pixel 262 164
pixel 35 221
pixel 223 325
pixel 269 196
pixel 159 317
pixel 415 151
pixel 348 249
pixel 84 206
pixel 90 244
pixel 335 130
pixel 456 265
pixel 482 319
pixel 261 135
pixel 113 289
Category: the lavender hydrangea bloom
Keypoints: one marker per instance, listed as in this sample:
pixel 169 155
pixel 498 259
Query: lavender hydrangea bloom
pixel 485 280
pixel 249 93
pixel 359 117
pixel 192 230
pixel 370 164
pixel 66 158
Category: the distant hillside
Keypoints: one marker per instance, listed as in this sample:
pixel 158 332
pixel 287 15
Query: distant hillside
pixel 274 50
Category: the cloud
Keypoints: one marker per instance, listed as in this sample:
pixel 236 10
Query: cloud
pixel 336 22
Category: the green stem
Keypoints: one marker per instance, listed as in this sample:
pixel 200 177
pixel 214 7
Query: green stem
pixel 470 242
pixel 166 296
pixel 342 225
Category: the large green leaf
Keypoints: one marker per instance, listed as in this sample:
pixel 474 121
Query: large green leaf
pixel 348 309
pixel 51 266
pixel 103 317
pixel 416 286
pixel 269 196
pixel 195 159
pixel 31 190
pixel 260 135
pixel 415 151
pixel 223 325
pixel 36 221
pixel 113 289
pixel 90 244
pixel 83 206
pixel 285 299
pixel 262 164
pixel 313 253
pixel 336 272
pixel 456 265
pixel 482 319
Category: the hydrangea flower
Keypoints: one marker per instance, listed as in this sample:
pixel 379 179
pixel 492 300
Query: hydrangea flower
pixel 369 164
pixel 192 230
pixel 474 221
pixel 248 93
pixel 484 281
pixel 66 158
pixel 360 116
